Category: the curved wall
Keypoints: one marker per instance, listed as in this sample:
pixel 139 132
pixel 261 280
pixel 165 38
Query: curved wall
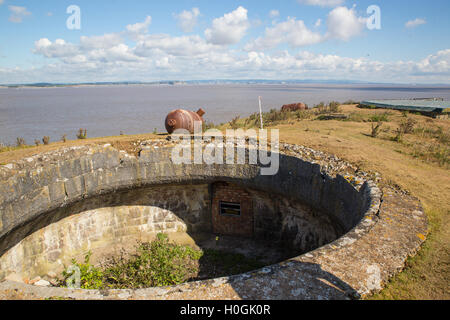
pixel 37 192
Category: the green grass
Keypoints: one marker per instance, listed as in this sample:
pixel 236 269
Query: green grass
pixel 383 117
pixel 13 148
pixel 433 255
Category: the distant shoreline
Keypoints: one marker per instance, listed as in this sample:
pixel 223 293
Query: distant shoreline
pixel 216 82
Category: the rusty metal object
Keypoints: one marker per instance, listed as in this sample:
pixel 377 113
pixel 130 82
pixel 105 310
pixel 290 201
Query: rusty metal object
pixel 294 107
pixel 183 119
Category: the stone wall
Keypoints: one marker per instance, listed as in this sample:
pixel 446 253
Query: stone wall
pixel 106 226
pixel 309 207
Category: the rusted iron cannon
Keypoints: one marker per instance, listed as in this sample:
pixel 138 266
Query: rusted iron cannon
pixel 183 119
pixel 294 107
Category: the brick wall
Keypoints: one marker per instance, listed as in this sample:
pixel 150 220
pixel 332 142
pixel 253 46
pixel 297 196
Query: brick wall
pixel 232 225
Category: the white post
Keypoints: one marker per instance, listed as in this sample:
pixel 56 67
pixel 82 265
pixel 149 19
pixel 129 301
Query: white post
pixel 260 114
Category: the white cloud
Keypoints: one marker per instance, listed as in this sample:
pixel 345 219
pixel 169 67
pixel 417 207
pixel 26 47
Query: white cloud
pixel 343 24
pixel 274 14
pixel 18 13
pixel 162 56
pixel 1 2
pixel 318 23
pixel 187 20
pixel 135 31
pixel 229 29
pixel 415 23
pixel 100 42
pixel 438 63
pixel 322 3
pixel 117 63
pixel 118 53
pixel 57 49
pixel 176 46
pixel 292 31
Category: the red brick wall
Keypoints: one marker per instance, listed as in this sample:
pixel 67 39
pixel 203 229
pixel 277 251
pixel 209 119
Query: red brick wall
pixel 229 225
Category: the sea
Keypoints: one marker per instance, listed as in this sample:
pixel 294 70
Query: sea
pixel 109 110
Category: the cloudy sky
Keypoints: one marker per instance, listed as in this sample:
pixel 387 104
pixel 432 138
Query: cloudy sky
pixel 136 40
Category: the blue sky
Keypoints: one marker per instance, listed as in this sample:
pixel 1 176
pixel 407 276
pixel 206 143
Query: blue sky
pixel 188 40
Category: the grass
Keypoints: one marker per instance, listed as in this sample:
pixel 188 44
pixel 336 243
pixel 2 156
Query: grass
pixel 383 117
pixel 426 274
pixel 433 257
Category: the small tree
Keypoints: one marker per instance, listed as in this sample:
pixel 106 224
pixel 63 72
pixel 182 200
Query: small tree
pixel 82 134
pixel 46 140
pixel 234 123
pixel 20 142
pixel 334 106
pixel 376 129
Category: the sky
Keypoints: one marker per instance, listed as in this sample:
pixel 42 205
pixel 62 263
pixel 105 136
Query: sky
pixel 59 41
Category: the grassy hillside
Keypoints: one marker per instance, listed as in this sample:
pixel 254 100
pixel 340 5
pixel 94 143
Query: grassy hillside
pixel 408 150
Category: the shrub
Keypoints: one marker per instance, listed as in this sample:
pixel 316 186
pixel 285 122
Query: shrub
pixel 37 142
pixel 302 115
pixel 20 142
pixel 351 102
pixel 407 126
pixel 334 107
pixel 82 134
pixel 158 263
pixel 234 122
pixel 321 108
pixel 208 125
pixel 64 138
pixel 399 135
pixel 376 129
pixel 383 117
pixel 90 276
pixel 46 140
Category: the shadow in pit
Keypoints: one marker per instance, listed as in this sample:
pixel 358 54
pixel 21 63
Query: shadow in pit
pixel 293 280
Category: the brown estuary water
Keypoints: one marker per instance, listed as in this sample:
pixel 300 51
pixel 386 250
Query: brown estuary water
pixel 32 113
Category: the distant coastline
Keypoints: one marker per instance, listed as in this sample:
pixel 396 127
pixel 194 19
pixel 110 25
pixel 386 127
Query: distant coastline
pixel 210 82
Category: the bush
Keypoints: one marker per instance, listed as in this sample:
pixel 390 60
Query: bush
pixel 376 129
pixel 46 140
pixel 64 138
pixel 234 122
pixel 20 142
pixel 332 107
pixel 349 102
pixel 383 117
pixel 158 263
pixel 302 115
pixel 37 142
pixel 208 125
pixel 407 126
pixel 90 276
pixel 82 134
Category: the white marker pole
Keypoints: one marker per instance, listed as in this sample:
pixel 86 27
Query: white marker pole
pixel 260 113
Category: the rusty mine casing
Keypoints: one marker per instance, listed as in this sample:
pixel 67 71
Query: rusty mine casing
pixel 183 119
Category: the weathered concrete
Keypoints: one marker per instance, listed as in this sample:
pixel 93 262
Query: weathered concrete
pixel 371 251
